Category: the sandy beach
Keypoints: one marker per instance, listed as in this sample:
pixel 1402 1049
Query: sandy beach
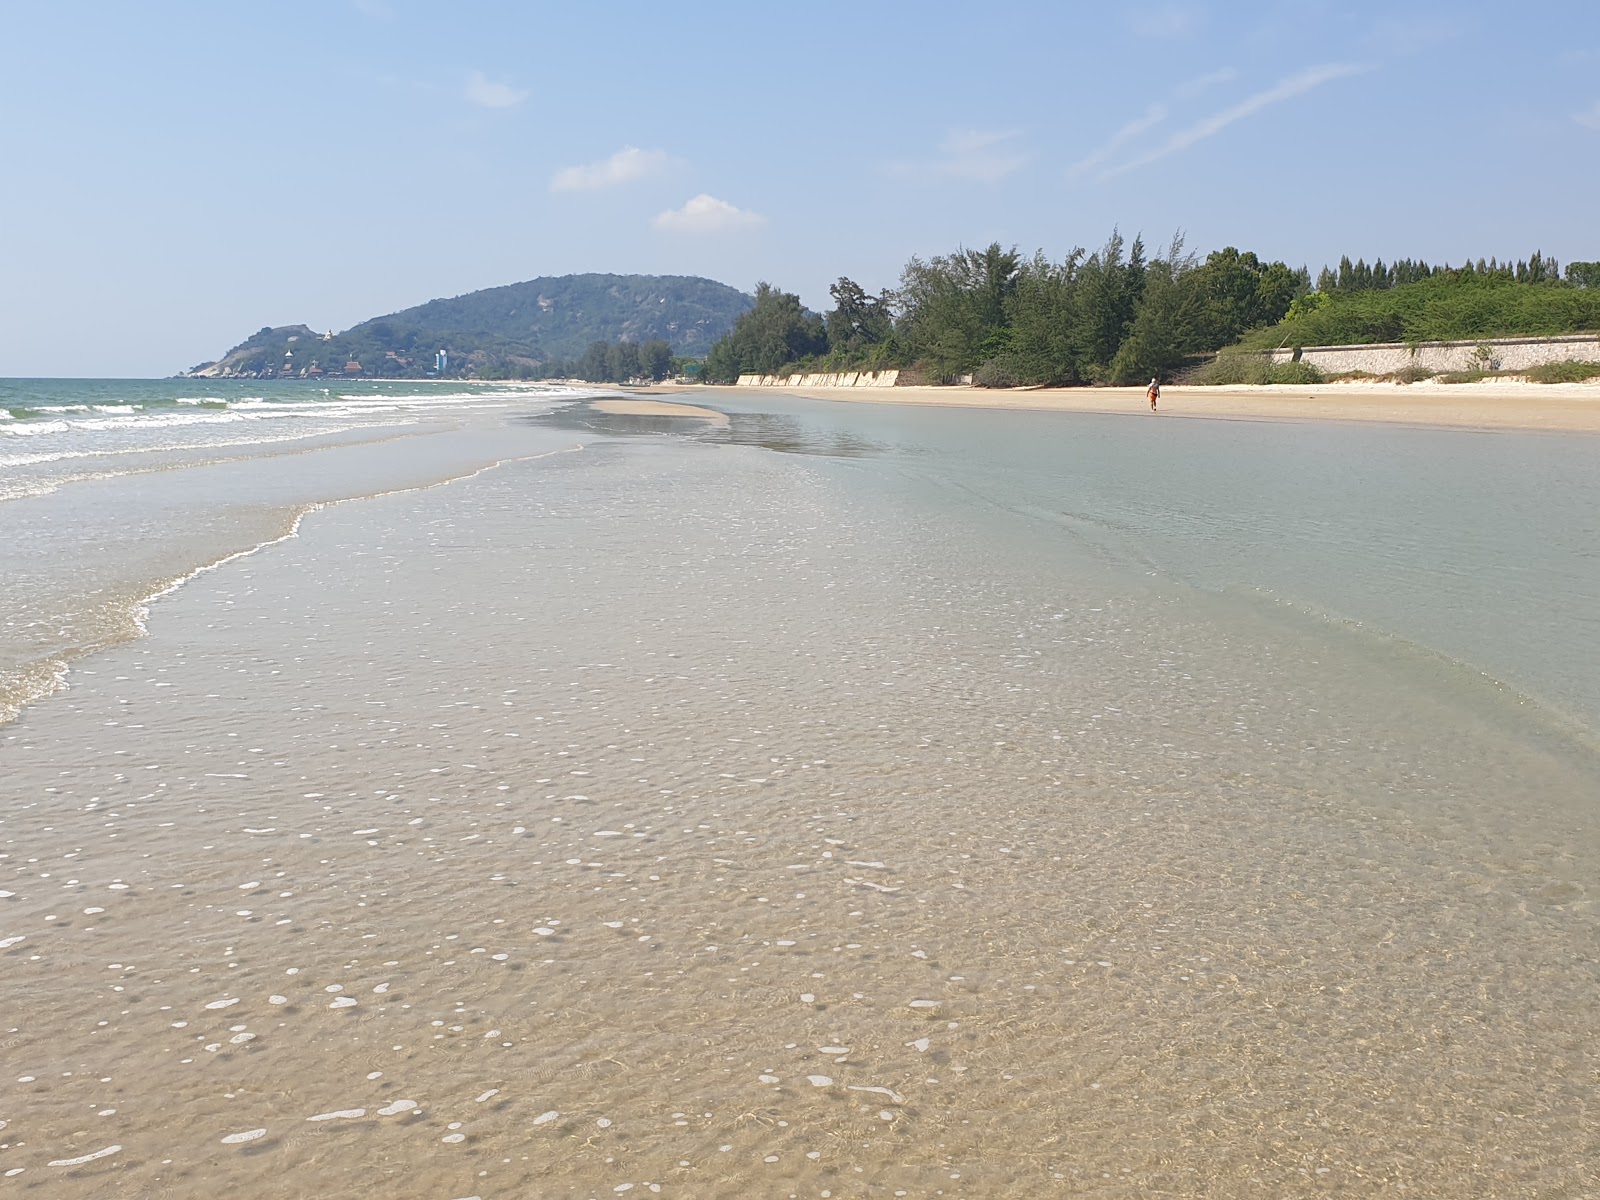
pixel 1499 405
pixel 587 799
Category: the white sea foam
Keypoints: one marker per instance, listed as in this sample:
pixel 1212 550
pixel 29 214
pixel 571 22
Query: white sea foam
pixel 83 1158
pixel 35 428
pixel 249 1135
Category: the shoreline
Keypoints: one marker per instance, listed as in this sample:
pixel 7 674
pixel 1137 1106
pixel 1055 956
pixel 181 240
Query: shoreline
pixel 1562 408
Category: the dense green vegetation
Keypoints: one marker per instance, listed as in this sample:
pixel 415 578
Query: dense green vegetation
pixel 1229 369
pixel 618 362
pixel 1449 305
pixel 532 329
pixel 1119 315
pixel 776 333
pixel 1115 315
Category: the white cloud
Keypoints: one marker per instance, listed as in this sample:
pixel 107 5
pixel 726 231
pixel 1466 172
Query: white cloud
pixel 1195 86
pixel 1167 21
pixel 625 166
pixel 1590 117
pixel 489 94
pixel 984 155
pixel 706 214
pixel 1153 116
pixel 1287 89
pixel 1414 33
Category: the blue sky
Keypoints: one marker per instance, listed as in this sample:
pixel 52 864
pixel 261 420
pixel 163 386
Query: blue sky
pixel 177 175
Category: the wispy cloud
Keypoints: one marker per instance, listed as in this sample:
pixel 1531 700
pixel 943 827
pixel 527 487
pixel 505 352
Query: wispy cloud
pixel 1590 117
pixel 372 8
pixel 983 155
pixel 1167 20
pixel 1413 33
pixel 1194 87
pixel 706 214
pixel 1287 89
pixel 1153 116
pixel 625 166
pixel 488 94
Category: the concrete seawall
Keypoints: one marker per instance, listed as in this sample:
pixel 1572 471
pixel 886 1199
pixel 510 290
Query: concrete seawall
pixel 1496 354
pixel 840 379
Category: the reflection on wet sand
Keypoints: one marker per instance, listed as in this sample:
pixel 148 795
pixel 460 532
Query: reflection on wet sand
pixel 769 431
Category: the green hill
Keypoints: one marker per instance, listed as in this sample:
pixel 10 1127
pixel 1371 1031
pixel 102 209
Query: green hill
pixel 541 321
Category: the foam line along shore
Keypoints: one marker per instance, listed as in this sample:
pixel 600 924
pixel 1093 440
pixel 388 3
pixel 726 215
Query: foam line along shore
pixel 114 492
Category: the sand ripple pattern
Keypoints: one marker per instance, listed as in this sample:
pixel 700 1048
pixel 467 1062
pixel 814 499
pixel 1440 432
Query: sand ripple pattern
pixel 668 821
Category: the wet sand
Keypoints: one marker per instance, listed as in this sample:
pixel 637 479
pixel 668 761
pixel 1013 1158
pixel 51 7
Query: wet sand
pixel 1553 407
pixel 657 408
pixel 660 818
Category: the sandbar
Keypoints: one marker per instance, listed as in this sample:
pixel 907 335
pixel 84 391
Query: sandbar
pixel 658 408
pixel 1501 404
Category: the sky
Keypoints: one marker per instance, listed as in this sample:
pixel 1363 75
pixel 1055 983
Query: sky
pixel 174 176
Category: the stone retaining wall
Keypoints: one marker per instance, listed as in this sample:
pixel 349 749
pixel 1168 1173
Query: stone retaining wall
pixel 840 379
pixel 1503 354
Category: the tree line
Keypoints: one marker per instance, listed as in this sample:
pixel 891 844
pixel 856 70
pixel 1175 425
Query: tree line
pixel 1116 315
pixel 1359 277
pixel 621 361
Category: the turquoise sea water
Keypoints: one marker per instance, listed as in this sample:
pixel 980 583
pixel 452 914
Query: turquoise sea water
pixel 847 800
pixel 1479 547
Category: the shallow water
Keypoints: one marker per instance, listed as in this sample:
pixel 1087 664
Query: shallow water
pixel 103 513
pixel 693 817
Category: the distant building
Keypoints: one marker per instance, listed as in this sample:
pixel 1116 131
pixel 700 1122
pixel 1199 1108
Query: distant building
pixel 352 367
pixel 441 361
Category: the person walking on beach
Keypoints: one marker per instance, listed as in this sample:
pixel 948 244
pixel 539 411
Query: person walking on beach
pixel 1154 392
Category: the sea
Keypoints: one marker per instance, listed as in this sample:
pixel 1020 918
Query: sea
pixel 446 790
